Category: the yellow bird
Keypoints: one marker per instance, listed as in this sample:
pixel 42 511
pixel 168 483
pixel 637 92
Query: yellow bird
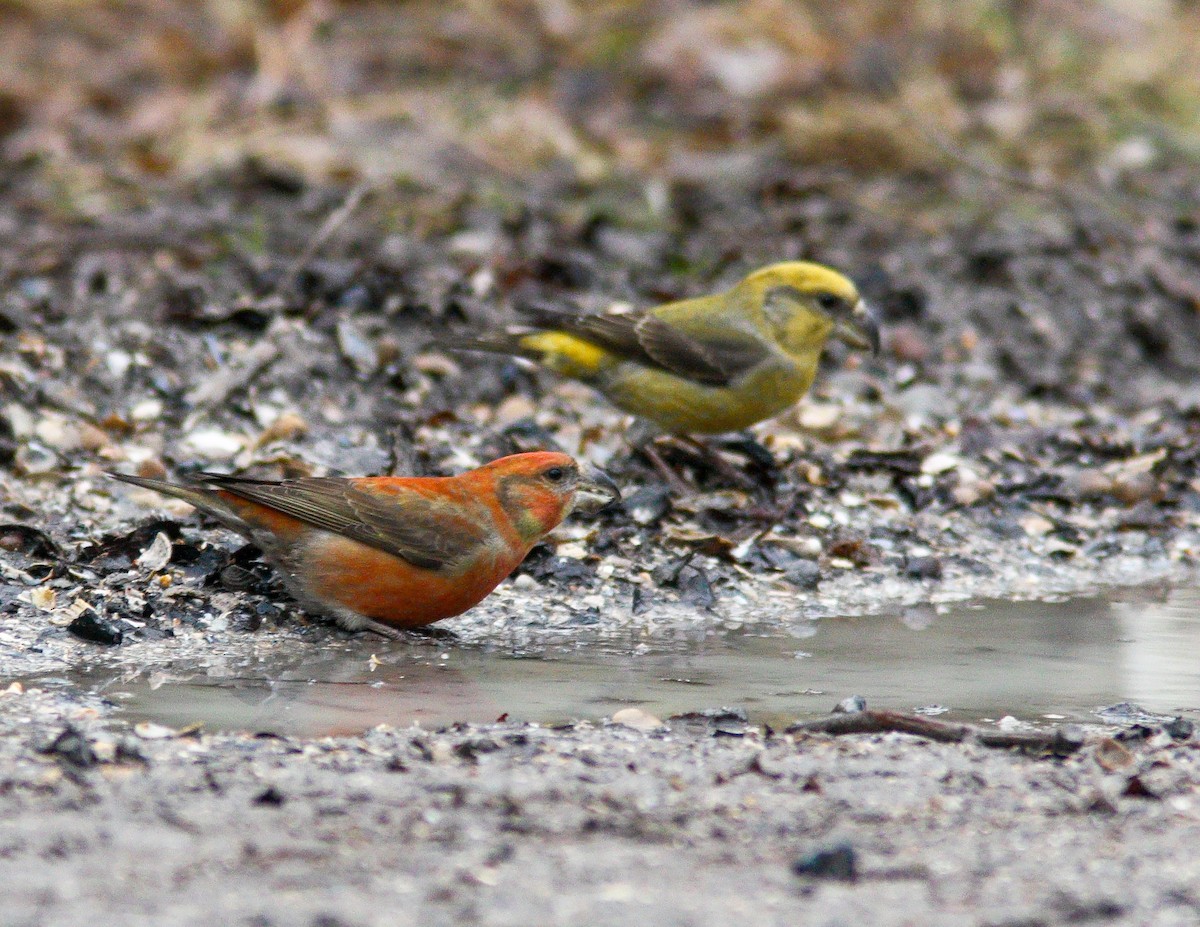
pixel 706 365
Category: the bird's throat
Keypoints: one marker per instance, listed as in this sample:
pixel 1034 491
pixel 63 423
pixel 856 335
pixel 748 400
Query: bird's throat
pixel 530 511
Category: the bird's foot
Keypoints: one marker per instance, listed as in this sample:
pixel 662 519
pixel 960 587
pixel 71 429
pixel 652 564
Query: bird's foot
pixel 429 632
pixel 384 630
pixel 758 475
pixel 715 460
pixel 410 635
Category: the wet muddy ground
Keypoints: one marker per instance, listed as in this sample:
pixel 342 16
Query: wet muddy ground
pixel 1031 662
pixel 998 516
pixel 971 460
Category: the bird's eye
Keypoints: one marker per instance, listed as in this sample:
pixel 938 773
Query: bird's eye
pixel 555 474
pixel 829 301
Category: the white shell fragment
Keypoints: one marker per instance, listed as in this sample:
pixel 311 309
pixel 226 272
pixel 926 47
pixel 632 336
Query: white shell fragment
pixel 157 555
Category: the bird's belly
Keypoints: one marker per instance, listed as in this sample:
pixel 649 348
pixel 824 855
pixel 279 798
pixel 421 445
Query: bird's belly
pixel 346 574
pixel 683 407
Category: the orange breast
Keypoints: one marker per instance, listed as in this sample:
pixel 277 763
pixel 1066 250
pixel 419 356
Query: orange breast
pixel 391 590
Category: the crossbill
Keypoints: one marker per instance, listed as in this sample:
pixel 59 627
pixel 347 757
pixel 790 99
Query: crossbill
pixel 385 553
pixel 706 365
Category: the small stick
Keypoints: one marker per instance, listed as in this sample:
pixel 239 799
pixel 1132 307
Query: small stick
pixel 1061 741
pixel 334 221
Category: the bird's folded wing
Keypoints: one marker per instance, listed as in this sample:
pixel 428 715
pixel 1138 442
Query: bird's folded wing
pixel 406 524
pixel 714 360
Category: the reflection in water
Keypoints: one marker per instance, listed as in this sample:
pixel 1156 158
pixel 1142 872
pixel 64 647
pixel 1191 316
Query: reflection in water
pixel 1160 649
pixel 1021 658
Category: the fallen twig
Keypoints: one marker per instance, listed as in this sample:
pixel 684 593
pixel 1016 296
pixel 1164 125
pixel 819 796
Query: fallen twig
pixel 334 221
pixel 1060 741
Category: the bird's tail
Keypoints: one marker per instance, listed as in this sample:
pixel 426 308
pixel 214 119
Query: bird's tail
pixel 203 499
pixel 500 343
pixel 564 353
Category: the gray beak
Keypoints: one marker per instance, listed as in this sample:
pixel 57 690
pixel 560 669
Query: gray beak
pixel 859 330
pixel 595 491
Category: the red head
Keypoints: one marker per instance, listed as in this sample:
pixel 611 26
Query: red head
pixel 539 489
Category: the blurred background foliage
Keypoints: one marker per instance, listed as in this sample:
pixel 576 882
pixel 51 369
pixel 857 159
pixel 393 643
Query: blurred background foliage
pixel 103 99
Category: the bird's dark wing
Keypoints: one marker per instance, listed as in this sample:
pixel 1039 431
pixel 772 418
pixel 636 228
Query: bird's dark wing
pixel 406 524
pixel 646 338
pixel 712 361
pixel 613 332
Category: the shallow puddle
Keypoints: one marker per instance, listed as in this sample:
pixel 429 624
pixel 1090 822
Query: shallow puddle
pixel 1027 659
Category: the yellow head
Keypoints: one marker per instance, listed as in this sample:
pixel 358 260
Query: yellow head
pixel 804 303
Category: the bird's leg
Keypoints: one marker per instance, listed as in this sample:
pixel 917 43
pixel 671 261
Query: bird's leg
pixel 642 440
pixel 753 450
pixel 677 483
pixel 761 466
pixel 724 468
pixel 641 437
pixel 708 455
pixel 349 620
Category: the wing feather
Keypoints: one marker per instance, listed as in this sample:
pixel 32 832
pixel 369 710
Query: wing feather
pixel 406 524
pixel 648 339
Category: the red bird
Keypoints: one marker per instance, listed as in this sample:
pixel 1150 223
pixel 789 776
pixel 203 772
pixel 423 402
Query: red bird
pixel 381 553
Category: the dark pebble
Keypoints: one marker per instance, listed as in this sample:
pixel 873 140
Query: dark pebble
pixel 972 566
pixel 695 589
pixel 1136 787
pixel 561 570
pixel 1007 528
pixel 722 714
pixel 543 565
pixel 1180 728
pixel 1067 740
pixel 805 574
pixel 716 722
pixel 1135 734
pixel 71 747
pixel 238 579
pixel 32 542
pixel 649 504
pixel 152 634
pixel 91 627
pixel 270 796
pixel 246 622
pixel 838 862
pixel 923 568
pixel 470 749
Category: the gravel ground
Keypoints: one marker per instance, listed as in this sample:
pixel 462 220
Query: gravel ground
pixel 243 259
pixel 701 823
pixel 972 459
